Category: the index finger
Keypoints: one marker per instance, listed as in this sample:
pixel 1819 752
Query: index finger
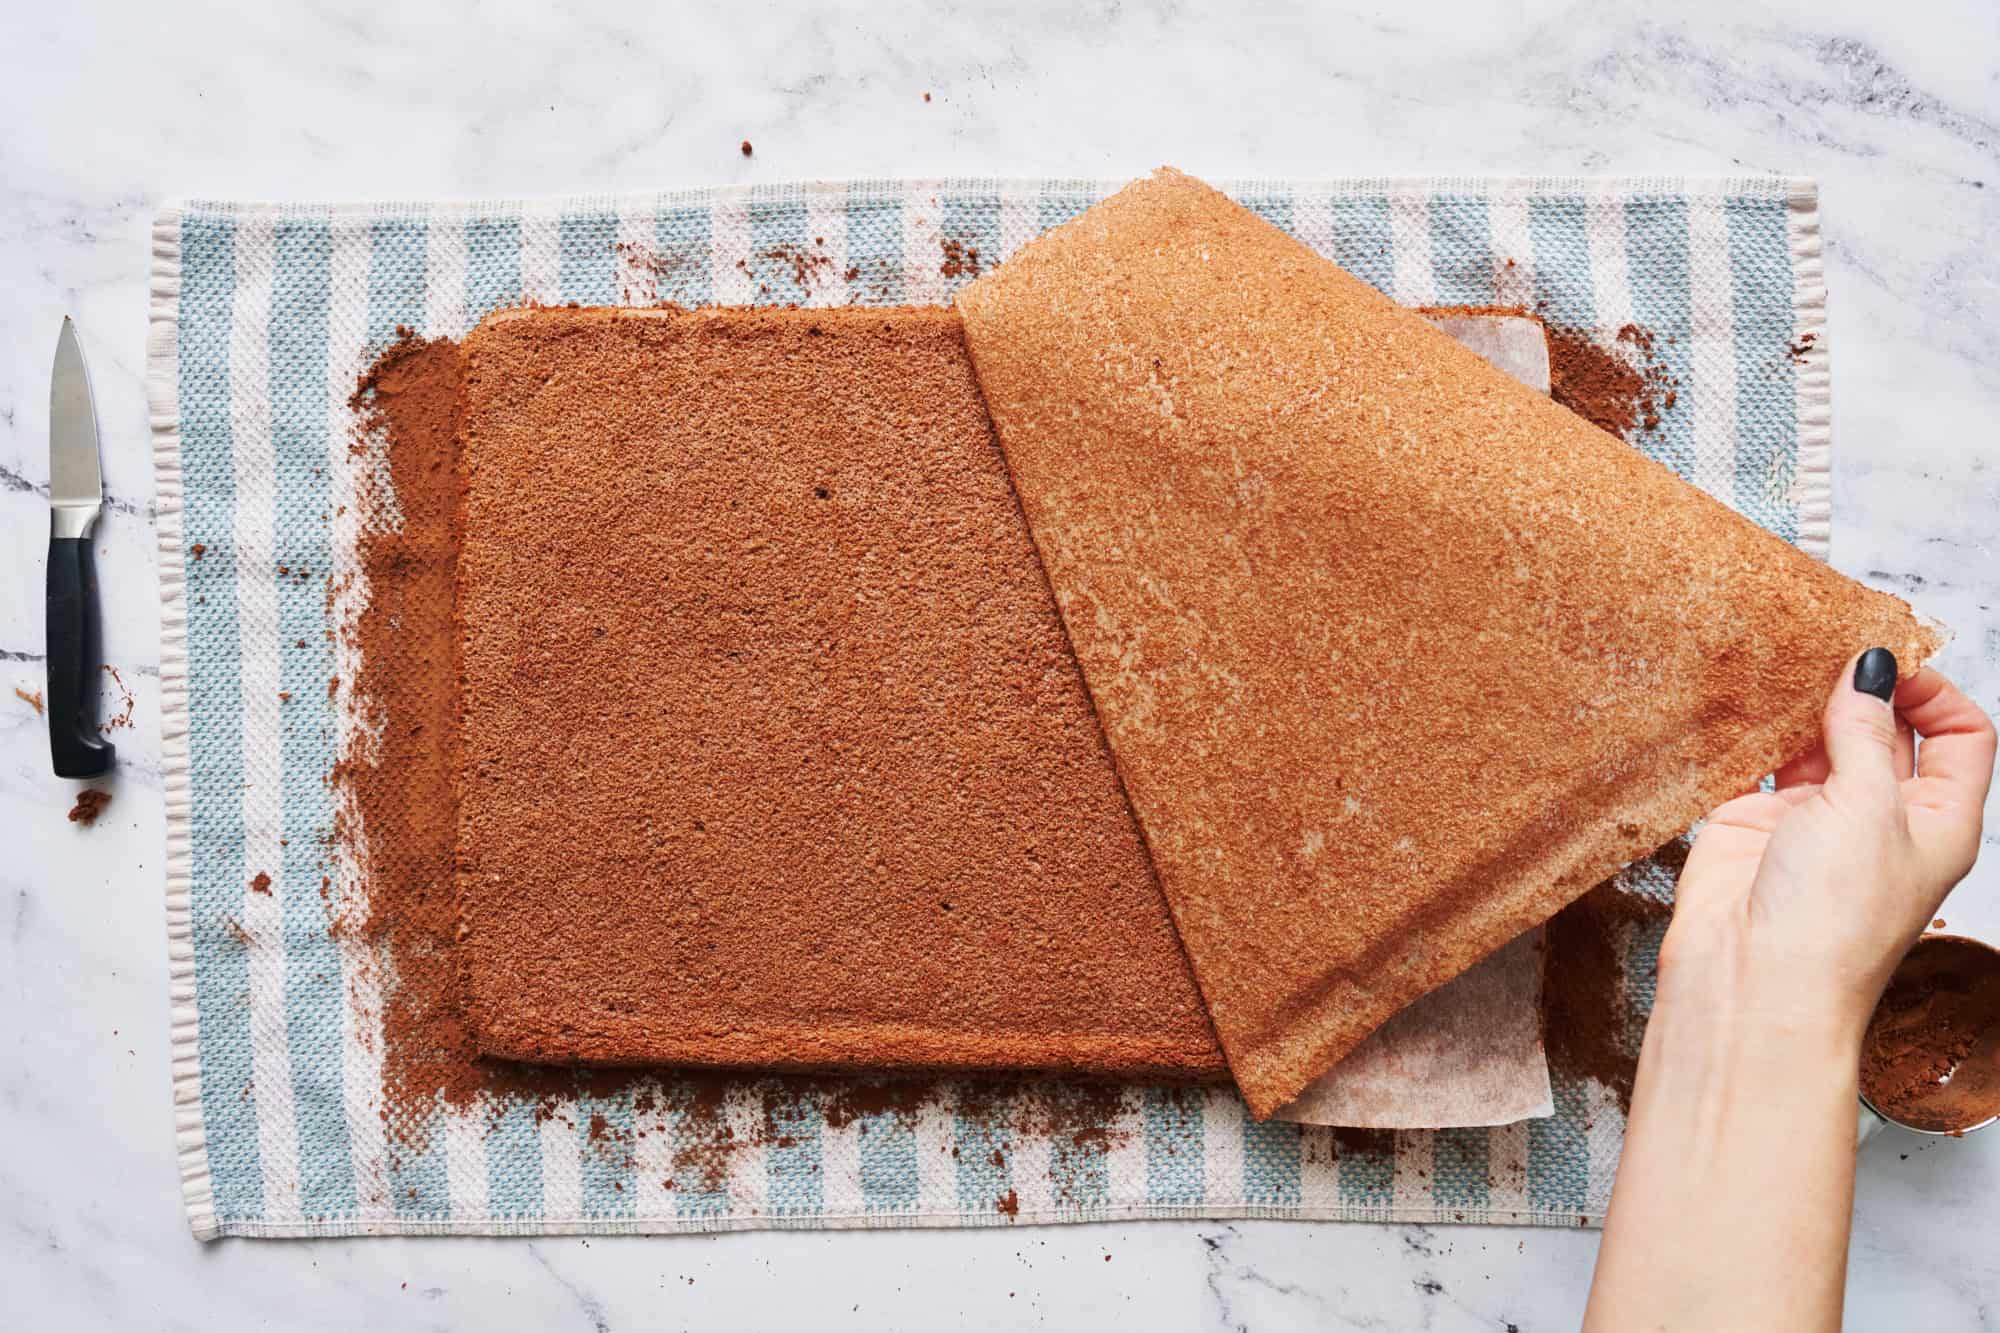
pixel 1958 737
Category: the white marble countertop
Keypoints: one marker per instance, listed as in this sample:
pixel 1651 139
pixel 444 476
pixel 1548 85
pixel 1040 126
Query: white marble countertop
pixel 112 108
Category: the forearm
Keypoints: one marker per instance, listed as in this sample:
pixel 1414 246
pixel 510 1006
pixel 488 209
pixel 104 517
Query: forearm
pixel 1733 1198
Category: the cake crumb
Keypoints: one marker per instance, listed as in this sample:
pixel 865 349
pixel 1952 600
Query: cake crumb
pixel 747 150
pixel 90 803
pixel 32 698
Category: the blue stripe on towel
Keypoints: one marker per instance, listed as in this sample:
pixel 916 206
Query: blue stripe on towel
pixel 1461 250
pixel 678 267
pixel 972 221
pixel 875 248
pixel 1558 228
pixel 588 258
pixel 1175 1166
pixel 1364 241
pixel 396 279
pixel 1461 1167
pixel 1271 1162
pixel 794 1180
pixel 1558 1152
pixel 215 715
pixel 782 255
pixel 1367 1167
pixel 983 1162
pixel 606 1145
pixel 514 1160
pixel 493 264
pixel 888 1153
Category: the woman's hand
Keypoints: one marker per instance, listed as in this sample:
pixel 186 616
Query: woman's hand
pixel 1812 893
pixel 1733 1196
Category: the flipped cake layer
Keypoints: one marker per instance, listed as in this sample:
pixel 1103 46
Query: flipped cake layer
pixel 1396 657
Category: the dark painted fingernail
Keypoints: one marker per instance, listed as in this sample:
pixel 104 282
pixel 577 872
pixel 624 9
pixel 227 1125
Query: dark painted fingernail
pixel 1875 673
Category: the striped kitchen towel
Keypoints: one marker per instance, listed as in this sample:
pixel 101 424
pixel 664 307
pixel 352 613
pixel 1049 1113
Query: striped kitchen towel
pixel 261 318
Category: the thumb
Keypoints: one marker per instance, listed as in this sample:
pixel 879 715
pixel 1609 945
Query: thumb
pixel 1860 721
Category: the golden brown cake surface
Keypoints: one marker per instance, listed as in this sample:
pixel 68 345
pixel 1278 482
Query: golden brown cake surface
pixel 773 751
pixel 1396 657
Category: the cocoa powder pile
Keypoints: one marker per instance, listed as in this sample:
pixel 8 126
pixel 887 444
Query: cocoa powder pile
pixel 1621 388
pixel 1931 1056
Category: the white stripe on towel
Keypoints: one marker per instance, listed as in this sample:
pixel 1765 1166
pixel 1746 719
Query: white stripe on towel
pixel 254 464
pixel 826 241
pixel 562 1164
pixel 1410 242
pixel 1513 244
pixel 444 273
pixel 1610 276
pixel 1712 358
pixel 465 1172
pixel 637 227
pixel 1415 1170
pixel 1222 1143
pixel 923 256
pixel 541 256
pixel 729 249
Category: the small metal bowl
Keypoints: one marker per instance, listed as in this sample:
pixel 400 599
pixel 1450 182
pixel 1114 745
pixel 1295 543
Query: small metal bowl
pixel 1977 964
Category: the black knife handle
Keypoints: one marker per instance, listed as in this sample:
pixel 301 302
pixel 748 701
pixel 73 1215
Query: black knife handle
pixel 79 751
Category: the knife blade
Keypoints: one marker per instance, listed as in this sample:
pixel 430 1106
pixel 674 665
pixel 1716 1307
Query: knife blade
pixel 76 497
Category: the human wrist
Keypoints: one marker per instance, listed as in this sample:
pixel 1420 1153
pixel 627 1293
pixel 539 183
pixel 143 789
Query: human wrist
pixel 1724 979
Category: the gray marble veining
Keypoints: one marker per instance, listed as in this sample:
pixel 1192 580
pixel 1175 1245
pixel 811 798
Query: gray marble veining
pixel 111 109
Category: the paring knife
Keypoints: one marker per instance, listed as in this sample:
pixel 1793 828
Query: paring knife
pixel 76 496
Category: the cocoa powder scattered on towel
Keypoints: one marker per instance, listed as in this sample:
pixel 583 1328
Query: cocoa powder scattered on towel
pixel 960 259
pixel 1588 1031
pixel 1620 388
pixel 400 816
